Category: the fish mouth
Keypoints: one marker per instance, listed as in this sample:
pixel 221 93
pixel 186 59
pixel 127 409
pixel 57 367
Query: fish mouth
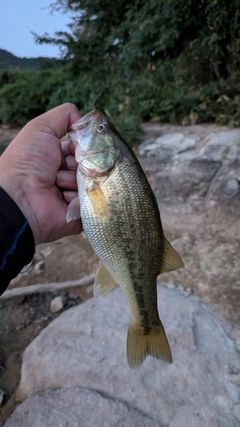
pixel 85 120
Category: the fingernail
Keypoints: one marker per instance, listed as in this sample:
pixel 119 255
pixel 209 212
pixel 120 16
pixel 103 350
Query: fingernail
pixel 71 162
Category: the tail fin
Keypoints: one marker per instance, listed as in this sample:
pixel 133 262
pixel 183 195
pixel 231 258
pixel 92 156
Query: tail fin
pixel 140 344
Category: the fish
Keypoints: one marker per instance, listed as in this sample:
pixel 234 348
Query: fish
pixel 121 220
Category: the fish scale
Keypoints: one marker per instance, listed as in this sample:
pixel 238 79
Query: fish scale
pixel 125 237
pixel 122 222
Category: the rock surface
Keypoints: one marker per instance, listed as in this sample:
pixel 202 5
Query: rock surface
pixel 77 407
pixel 85 347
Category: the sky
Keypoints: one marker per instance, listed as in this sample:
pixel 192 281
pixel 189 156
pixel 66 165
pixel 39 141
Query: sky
pixel 19 18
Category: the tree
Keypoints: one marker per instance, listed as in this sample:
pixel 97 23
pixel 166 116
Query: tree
pixel 172 59
pixel 137 33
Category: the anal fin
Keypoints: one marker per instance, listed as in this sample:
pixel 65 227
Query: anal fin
pixel 171 259
pixel 104 282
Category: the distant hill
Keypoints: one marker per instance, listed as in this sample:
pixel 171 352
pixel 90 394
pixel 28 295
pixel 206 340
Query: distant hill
pixel 9 61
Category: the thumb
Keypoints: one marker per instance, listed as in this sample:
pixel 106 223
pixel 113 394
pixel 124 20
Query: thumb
pixel 57 121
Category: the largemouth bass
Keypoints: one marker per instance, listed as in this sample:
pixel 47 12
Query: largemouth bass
pixel 121 219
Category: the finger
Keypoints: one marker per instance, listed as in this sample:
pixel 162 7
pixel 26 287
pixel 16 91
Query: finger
pixel 68 149
pixel 68 163
pixel 65 148
pixel 57 121
pixel 71 148
pixel 71 163
pixel 63 165
pixel 66 179
pixel 69 195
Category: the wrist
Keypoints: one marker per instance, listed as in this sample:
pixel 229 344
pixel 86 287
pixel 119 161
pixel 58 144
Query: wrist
pixel 16 189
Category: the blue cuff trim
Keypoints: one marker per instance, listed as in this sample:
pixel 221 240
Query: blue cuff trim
pixel 13 246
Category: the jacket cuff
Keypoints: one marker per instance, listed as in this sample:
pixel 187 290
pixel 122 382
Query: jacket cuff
pixel 17 245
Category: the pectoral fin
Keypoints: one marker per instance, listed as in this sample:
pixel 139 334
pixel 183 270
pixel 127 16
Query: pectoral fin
pixel 73 210
pixel 171 259
pixel 104 282
pixel 98 200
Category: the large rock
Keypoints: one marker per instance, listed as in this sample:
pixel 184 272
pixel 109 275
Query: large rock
pixel 85 347
pixel 77 407
pixel 199 166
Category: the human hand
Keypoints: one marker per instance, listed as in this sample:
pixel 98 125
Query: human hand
pixel 36 168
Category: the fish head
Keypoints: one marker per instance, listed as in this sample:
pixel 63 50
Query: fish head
pixel 96 149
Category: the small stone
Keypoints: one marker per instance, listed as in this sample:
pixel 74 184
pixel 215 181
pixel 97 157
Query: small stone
pixel 231 187
pixel 20 299
pixel 188 291
pixel 39 267
pixel 212 203
pixel 46 251
pixel 57 304
pixel 2 394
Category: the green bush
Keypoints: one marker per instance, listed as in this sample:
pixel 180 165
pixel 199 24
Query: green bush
pixel 174 60
pixel 29 94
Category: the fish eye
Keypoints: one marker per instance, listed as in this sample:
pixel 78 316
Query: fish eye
pixel 103 127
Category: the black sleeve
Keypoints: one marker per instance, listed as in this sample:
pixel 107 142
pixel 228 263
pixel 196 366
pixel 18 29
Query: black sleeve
pixel 16 240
